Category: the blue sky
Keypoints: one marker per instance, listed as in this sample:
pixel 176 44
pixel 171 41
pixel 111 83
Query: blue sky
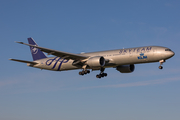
pixel 85 26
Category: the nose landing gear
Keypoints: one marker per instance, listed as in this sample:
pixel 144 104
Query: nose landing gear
pixel 161 62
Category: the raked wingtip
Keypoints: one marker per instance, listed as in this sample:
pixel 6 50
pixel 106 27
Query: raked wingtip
pixel 19 42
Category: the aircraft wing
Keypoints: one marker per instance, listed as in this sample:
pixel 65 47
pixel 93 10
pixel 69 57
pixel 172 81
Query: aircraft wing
pixel 57 53
pixel 24 61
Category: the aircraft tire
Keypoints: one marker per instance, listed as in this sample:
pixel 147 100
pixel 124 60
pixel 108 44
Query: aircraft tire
pixel 85 72
pixel 160 67
pixel 105 74
pixel 102 75
pixel 98 76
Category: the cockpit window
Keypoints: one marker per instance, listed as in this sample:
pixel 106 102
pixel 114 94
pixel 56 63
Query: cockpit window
pixel 167 49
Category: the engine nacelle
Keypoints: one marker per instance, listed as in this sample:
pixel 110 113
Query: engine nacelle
pixel 97 61
pixel 125 68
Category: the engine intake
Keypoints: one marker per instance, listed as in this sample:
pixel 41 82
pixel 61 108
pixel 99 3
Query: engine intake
pixel 97 61
pixel 125 68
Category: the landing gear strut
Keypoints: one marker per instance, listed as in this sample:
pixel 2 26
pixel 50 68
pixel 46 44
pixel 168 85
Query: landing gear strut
pixel 102 74
pixel 161 62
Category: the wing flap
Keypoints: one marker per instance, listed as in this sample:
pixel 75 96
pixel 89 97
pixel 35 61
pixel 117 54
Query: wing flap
pixel 57 53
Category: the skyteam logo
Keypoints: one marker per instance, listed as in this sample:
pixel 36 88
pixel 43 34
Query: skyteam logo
pixel 142 56
pixel 56 61
pixel 34 50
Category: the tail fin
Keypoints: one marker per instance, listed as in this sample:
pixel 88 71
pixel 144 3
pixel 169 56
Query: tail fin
pixel 36 53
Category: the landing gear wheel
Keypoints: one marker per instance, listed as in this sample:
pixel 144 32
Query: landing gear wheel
pixel 102 75
pixel 160 67
pixel 98 76
pixel 84 72
pixel 80 73
pixel 105 74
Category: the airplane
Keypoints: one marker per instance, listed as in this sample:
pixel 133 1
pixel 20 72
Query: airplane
pixel 123 60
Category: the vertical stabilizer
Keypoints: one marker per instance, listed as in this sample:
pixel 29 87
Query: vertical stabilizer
pixel 36 53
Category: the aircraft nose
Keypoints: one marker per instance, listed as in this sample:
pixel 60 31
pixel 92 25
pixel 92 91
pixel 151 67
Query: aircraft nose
pixel 169 53
pixel 172 53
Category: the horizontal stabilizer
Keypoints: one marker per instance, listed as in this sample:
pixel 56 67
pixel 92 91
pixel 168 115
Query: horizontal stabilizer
pixel 24 61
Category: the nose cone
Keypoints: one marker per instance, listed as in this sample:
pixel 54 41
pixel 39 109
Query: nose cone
pixel 168 53
pixel 171 54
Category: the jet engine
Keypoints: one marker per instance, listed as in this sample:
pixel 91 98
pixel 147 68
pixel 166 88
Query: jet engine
pixel 97 61
pixel 125 68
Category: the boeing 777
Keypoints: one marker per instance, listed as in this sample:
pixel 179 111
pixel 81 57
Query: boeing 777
pixel 122 59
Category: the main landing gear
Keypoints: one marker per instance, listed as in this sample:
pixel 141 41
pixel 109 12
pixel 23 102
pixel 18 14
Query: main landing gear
pixel 102 74
pixel 84 72
pixel 161 62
